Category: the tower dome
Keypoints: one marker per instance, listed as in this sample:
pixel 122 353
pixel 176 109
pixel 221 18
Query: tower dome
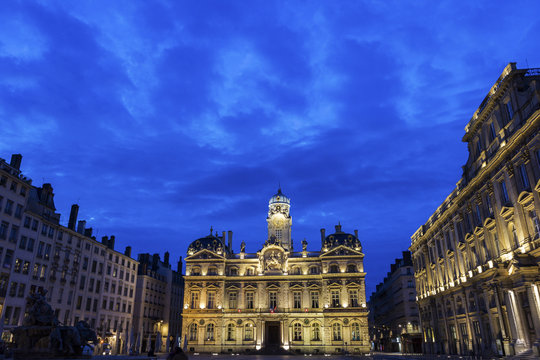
pixel 279 198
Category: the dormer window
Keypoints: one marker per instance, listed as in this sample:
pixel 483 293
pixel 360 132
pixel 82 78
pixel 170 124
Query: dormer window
pixel 278 234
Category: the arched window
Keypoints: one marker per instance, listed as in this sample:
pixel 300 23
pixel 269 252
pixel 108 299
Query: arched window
pixel 248 331
pixel 334 269
pixel 296 271
pixel 355 331
pixel 336 332
pixel 297 332
pixel 233 271
pixel 193 332
pixel 212 270
pixel 351 268
pixel 230 332
pixel 210 331
pixel 315 332
pixel 249 271
pixel 195 271
pixel 314 270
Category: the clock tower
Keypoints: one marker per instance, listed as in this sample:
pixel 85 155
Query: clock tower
pixel 279 220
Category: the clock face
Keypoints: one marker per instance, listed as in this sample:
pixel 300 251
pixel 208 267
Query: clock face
pixel 278 222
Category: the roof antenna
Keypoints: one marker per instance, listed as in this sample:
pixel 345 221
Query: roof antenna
pixel 211 229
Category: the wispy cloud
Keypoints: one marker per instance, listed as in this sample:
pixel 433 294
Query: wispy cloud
pixel 164 118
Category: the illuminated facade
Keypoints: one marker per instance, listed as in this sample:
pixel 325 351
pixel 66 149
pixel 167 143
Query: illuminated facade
pixel 277 298
pixel 476 259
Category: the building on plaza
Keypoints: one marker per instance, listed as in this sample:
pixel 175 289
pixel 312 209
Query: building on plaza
pixel 394 322
pixel 83 279
pixel 477 257
pixel 278 298
pixel 159 298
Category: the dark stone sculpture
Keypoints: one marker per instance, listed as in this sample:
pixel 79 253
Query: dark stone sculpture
pixel 42 336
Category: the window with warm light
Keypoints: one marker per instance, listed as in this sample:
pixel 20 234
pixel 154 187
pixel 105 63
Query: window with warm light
pixel 315 332
pixel 336 332
pixel 297 300
pixel 249 299
pixel 297 332
pixel 193 332
pixel 248 332
pixel 232 300
pixel 211 300
pixel 210 332
pixel 272 299
pixel 194 300
pixel 230 332
pixel 335 298
pixel 355 331
pixel 314 299
pixel 353 297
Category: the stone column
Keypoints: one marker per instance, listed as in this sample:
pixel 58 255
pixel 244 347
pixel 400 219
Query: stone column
pixel 502 323
pixel 493 336
pixel 533 293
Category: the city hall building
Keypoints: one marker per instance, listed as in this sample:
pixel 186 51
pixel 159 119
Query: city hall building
pixel 477 257
pixel 278 298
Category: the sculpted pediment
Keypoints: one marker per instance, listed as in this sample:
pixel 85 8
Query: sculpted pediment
pixel 342 251
pixel 526 199
pixel 205 254
pixel 314 285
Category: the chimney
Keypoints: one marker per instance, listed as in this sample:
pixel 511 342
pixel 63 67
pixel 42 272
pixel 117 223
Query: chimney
pixel 166 258
pixel 73 216
pixel 179 265
pixel 230 240
pixel 88 232
pixel 356 233
pixel 223 237
pixel 322 235
pixel 105 240
pixel 80 226
pixel 338 228
pixel 16 161
pixel 155 261
pixel 128 251
pixel 111 242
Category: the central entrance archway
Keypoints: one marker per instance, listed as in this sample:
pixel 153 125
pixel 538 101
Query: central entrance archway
pixel 272 331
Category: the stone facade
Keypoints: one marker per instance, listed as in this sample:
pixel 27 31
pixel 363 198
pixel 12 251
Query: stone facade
pixel 157 316
pixel 278 298
pixel 83 279
pixel 477 257
pixel 393 313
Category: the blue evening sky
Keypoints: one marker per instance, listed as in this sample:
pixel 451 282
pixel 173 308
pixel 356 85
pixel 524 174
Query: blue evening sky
pixel 163 118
